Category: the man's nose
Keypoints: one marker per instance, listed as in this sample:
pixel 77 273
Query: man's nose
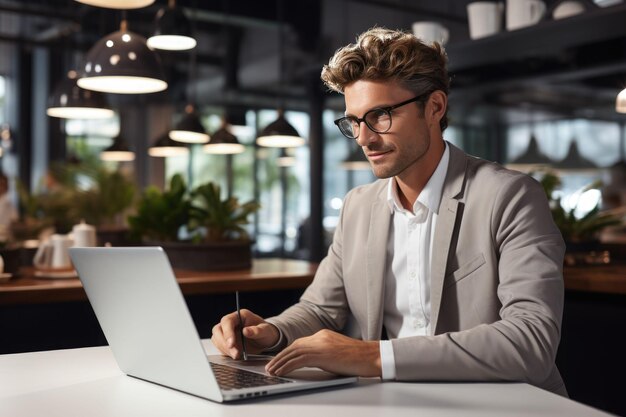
pixel 366 135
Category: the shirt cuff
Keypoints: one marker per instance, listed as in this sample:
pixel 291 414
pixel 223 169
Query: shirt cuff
pixel 387 360
pixel 282 341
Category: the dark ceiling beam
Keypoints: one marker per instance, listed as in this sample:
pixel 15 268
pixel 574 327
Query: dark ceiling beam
pixel 407 7
pixel 475 92
pixel 40 10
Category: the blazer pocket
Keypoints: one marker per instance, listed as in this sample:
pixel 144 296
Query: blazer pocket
pixel 465 269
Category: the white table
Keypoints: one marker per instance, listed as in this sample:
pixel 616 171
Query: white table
pixel 87 382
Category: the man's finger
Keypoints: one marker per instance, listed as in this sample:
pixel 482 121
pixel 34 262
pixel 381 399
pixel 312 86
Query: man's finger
pixel 229 324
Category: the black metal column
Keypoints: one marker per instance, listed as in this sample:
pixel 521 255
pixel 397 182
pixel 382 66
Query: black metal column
pixel 316 150
pixel 24 131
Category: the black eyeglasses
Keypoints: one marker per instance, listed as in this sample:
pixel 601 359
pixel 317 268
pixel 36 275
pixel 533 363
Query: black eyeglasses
pixel 378 120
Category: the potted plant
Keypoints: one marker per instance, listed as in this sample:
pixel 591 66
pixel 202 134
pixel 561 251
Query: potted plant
pixel 217 239
pixel 580 233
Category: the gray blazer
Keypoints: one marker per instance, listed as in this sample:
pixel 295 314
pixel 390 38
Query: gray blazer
pixel 496 280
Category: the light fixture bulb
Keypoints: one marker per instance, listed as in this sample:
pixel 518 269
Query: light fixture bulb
pixel 118 4
pixel 620 102
pixel 172 42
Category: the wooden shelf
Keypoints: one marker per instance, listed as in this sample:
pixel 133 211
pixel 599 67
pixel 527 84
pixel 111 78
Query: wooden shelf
pixel 540 40
pixel 265 275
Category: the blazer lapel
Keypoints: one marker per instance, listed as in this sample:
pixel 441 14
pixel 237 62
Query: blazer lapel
pixel 375 269
pixel 444 230
pixel 441 247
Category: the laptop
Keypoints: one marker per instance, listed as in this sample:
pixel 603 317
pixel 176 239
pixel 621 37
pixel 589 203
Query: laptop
pixel 145 319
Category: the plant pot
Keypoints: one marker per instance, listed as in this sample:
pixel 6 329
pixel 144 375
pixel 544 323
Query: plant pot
pixel 211 256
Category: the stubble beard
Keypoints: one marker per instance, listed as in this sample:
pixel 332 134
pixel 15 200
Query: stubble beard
pixel 402 161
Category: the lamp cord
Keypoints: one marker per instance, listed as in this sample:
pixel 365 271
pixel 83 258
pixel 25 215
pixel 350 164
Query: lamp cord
pixel 281 58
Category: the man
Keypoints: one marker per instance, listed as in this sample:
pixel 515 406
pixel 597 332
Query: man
pixel 458 258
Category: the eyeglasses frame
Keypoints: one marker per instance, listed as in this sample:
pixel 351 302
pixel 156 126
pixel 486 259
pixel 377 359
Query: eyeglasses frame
pixel 386 109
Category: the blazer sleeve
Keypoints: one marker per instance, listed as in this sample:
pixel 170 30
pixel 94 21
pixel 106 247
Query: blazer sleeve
pixel 522 345
pixel 323 304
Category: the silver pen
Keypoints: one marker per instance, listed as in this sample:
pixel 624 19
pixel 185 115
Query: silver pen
pixel 243 341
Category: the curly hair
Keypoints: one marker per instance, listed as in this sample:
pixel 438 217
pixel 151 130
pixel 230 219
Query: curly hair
pixel 382 54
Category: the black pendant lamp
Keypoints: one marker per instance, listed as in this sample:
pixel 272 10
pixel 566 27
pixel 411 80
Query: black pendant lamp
pixel 118 151
pixel 164 147
pixel 532 157
pixel 356 161
pixel 122 63
pixel 189 129
pixel 173 30
pixel 223 142
pixel 285 159
pixel 118 4
pixel 574 160
pixel 69 101
pixel 280 134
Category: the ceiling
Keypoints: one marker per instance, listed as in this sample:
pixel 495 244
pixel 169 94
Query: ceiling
pixel 563 68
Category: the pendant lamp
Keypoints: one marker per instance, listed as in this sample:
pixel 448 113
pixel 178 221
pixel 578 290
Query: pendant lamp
pixel 164 146
pixel 118 4
pixel 356 161
pixel 173 30
pixel 280 134
pixel 122 63
pixel 223 142
pixel 118 151
pixel 286 159
pixel 620 102
pixel 189 129
pixel 574 160
pixel 533 155
pixel 69 101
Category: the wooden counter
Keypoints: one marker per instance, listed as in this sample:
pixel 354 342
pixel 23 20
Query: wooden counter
pixel 265 274
pixel 609 279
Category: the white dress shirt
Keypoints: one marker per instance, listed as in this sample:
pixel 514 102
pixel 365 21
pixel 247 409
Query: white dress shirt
pixel 407 273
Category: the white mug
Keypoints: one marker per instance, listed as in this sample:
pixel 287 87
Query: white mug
pixel 54 253
pixel 485 18
pixel 84 235
pixel 567 9
pixel 1 264
pixel 430 32
pixel 60 254
pixel 522 13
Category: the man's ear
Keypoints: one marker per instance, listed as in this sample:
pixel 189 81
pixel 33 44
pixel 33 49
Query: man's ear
pixel 436 107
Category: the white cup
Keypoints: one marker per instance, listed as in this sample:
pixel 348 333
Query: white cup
pixel 485 18
pixel 60 251
pixel 522 13
pixel 84 235
pixel 430 32
pixel 567 9
pixel 54 253
pixel 1 264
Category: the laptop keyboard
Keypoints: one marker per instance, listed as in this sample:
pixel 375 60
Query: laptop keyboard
pixel 230 378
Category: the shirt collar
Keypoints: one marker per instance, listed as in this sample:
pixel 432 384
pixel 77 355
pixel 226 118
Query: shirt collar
pixel 430 195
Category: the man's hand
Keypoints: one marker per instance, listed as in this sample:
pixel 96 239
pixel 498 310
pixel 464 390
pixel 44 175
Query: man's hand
pixel 259 334
pixel 330 351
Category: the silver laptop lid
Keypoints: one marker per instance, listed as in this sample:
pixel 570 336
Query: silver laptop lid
pixel 144 317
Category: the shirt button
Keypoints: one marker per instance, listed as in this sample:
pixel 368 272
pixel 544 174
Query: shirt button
pixel 419 323
pixel 413 274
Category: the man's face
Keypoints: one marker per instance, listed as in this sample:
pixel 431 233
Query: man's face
pixel 408 139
